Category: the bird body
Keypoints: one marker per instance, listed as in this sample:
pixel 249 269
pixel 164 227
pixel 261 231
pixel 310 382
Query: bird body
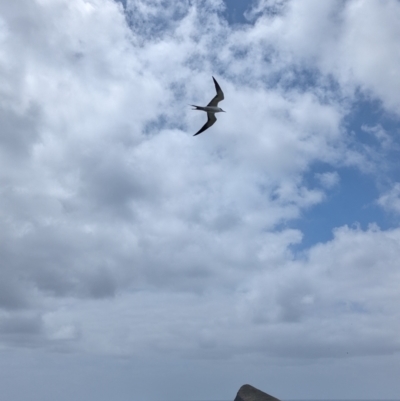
pixel 208 109
pixel 211 108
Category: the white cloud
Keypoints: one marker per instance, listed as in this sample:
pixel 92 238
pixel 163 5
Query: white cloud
pixel 329 179
pixel 391 199
pixel 121 234
pixel 381 135
pixel 355 42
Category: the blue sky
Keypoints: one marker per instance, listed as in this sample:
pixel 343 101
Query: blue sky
pixel 140 262
pixel 355 200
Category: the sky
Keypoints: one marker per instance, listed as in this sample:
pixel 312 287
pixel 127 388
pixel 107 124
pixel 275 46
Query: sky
pixel 138 262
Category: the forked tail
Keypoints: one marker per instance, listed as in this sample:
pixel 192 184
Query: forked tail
pixel 196 107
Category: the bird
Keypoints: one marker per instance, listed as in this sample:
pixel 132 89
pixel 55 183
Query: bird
pixel 211 108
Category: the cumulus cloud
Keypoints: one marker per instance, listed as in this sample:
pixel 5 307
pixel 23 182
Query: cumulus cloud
pixel 331 40
pixel 121 234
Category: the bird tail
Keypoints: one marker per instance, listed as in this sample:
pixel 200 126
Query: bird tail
pixel 195 107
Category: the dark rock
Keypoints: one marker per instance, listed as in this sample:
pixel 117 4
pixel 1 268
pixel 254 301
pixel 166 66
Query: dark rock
pixel 250 393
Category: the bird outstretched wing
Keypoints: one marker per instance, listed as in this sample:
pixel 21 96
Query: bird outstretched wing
pixel 210 121
pixel 218 97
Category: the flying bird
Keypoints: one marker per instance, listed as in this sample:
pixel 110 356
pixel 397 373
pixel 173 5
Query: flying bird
pixel 211 108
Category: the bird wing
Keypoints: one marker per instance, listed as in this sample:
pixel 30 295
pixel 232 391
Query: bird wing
pixel 218 97
pixel 210 121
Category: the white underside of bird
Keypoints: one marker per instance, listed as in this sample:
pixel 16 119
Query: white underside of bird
pixel 211 108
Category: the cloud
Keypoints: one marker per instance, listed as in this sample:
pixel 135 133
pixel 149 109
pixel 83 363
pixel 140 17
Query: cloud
pixel 391 199
pixel 121 234
pixel 331 39
pixel 342 297
pixel 329 179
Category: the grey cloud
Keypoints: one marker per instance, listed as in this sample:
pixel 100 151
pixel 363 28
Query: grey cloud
pixel 113 184
pixel 294 301
pixel 12 293
pixel 19 131
pixel 102 285
pixel 24 330
pixel 20 325
pixel 122 236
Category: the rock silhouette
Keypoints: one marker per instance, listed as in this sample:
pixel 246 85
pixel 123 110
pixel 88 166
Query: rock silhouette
pixel 250 393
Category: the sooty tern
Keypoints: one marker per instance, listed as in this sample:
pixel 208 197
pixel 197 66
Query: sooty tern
pixel 211 108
